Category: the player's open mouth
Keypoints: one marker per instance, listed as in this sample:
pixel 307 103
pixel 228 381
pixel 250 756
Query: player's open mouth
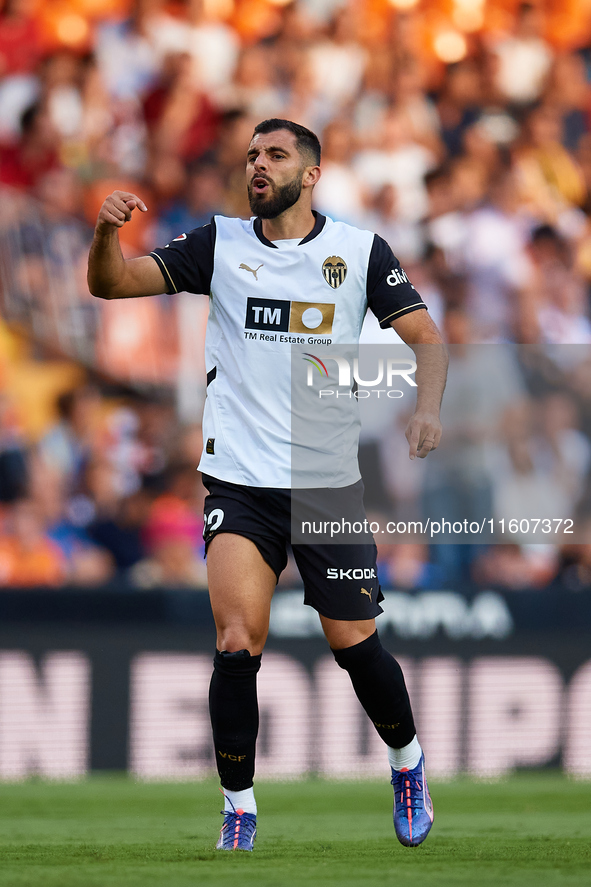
pixel 260 185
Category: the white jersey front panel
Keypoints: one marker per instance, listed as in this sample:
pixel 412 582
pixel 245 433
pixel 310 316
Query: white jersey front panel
pixel 264 300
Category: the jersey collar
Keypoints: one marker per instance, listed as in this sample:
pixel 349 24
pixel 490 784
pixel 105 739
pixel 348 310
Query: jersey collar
pixel 319 223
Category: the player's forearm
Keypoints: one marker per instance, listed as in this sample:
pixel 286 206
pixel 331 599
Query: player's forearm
pixel 106 265
pixel 431 375
pixel 110 276
pixel 418 330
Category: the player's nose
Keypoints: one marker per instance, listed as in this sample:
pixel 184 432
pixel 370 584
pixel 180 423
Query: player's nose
pixel 259 161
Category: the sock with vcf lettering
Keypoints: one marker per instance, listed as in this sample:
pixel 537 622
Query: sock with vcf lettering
pixel 379 684
pixel 234 713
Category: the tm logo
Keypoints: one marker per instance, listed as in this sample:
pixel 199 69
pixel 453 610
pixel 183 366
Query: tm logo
pixel 281 316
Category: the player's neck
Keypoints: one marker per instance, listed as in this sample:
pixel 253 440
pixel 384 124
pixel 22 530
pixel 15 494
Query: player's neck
pixel 295 223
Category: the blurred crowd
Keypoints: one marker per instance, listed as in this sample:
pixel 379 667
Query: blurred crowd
pixel 108 493
pixel 460 131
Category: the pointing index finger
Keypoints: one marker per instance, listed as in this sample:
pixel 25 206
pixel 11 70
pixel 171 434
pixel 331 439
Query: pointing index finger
pixel 127 197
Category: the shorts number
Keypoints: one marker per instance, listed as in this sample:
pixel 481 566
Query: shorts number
pixel 213 520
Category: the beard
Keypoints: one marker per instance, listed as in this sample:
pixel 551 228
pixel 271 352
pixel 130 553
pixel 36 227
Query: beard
pixel 275 200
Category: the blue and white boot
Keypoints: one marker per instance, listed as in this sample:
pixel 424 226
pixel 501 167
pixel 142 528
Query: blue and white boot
pixel 413 808
pixel 238 831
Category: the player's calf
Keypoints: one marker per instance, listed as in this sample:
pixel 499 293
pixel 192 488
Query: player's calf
pixel 380 687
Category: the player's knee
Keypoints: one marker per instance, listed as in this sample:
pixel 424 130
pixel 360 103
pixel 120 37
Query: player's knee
pixel 352 658
pixel 235 638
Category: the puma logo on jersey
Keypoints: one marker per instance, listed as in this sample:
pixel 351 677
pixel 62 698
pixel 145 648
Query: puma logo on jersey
pixel 252 270
pixel 368 593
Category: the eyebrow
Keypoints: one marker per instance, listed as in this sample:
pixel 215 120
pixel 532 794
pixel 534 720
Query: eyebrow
pixel 267 150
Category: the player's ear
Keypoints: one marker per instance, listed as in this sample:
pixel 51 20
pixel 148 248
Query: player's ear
pixel 311 176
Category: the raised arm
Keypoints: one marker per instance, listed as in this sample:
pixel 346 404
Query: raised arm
pixel 423 431
pixel 110 276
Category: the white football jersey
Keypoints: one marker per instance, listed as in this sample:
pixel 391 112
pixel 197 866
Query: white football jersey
pixel 270 304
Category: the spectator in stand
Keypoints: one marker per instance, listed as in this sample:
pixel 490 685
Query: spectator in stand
pixel 255 89
pixel 120 533
pixel 550 181
pixel 555 302
pixel 13 455
pixel 86 563
pixel 495 262
pixel 422 119
pixel 523 58
pixel 173 537
pixel 445 225
pixel 20 53
pixel 482 383
pixel 564 447
pixel 20 39
pixel 459 103
pixel 180 117
pixel 126 50
pixel 569 92
pixel 579 386
pixel 212 45
pixel 539 464
pixel 157 436
pixel 516 567
pixel 67 446
pixel 397 161
pixel 202 197
pixel 302 100
pixel 405 238
pixel 406 565
pixel 474 170
pixel 339 193
pixel 28 557
pixel 61 77
pixel 574 570
pixel 23 164
pixel 338 60
pixel 98 120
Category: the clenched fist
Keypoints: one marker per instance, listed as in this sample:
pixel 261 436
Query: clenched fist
pixel 117 210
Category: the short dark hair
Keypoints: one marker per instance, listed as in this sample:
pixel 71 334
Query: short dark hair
pixel 307 142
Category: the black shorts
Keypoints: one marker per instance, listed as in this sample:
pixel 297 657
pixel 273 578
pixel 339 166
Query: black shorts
pixel 340 581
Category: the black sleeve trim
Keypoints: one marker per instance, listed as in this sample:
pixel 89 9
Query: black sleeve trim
pixel 165 273
pixel 387 321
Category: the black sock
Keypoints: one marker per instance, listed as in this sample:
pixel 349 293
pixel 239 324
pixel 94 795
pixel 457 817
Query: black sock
pixel 234 713
pixel 379 684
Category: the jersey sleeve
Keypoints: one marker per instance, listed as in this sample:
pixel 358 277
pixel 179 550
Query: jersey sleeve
pixel 187 261
pixel 390 294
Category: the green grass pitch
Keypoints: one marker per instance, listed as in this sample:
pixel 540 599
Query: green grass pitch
pixel 113 832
